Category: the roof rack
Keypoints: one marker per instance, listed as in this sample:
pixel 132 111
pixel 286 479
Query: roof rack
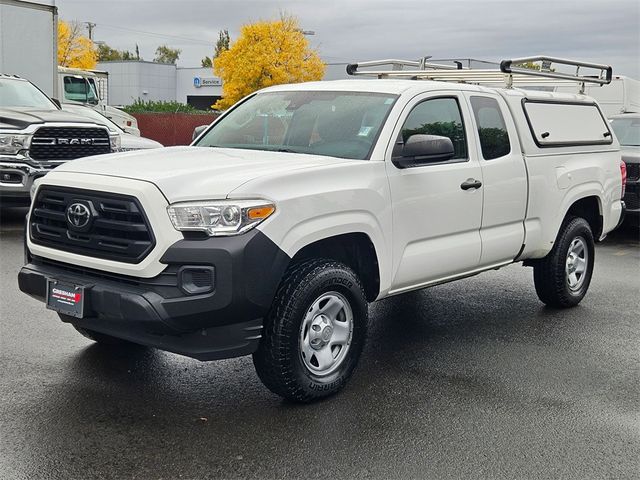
pixel 510 73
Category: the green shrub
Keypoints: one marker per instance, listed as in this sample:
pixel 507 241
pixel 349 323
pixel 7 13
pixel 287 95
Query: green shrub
pixel 142 106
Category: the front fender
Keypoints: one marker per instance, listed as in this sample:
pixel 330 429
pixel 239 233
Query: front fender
pixel 320 227
pixel 318 203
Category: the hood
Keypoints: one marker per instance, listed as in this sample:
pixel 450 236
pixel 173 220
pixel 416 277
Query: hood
pixel 630 154
pixel 131 142
pixel 196 173
pixel 20 118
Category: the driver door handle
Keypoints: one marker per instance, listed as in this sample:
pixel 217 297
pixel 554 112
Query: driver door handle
pixel 471 183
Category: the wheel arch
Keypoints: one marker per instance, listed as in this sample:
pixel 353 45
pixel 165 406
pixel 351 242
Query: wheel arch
pixel 588 205
pixel 589 208
pixel 354 249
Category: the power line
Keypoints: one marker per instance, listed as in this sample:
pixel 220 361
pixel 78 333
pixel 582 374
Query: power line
pixel 159 35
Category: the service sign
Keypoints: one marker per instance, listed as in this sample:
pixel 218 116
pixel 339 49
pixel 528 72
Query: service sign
pixel 199 82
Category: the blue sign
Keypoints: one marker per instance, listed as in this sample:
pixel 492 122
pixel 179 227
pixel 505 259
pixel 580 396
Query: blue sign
pixel 206 82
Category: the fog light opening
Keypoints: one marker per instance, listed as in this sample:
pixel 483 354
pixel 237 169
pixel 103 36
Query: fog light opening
pixel 196 280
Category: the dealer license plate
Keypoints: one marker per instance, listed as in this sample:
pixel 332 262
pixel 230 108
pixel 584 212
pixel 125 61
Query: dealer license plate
pixel 65 298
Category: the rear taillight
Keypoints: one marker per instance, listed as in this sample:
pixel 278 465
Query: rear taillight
pixel 129 123
pixel 623 174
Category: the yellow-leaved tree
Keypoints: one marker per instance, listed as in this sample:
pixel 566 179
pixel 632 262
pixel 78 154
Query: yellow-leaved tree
pixel 266 53
pixel 74 49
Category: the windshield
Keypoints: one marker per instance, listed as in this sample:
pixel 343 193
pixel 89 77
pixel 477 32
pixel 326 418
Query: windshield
pixel 93 115
pixel 337 124
pixel 627 131
pixel 20 93
pixel 78 89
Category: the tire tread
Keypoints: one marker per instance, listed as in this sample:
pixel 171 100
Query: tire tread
pixel 272 360
pixel 549 272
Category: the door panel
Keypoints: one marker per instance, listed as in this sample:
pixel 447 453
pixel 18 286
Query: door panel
pixel 505 179
pixel 436 230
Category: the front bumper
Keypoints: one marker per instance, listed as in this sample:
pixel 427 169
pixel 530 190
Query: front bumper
pixel 224 323
pixel 16 179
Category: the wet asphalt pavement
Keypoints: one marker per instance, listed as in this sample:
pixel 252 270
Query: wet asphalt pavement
pixel 474 379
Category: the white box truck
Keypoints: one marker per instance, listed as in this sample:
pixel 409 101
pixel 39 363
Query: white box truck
pixel 622 95
pixel 36 59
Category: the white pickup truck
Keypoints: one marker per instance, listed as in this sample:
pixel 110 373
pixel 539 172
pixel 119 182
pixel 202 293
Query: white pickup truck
pixel 302 203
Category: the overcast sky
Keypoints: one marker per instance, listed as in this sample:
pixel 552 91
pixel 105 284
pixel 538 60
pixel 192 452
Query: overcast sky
pixel 604 31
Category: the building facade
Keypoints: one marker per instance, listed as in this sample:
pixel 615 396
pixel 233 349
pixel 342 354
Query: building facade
pixel 131 80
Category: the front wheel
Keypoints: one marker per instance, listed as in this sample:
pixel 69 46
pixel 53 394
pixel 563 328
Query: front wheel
pixel 314 333
pixel 562 278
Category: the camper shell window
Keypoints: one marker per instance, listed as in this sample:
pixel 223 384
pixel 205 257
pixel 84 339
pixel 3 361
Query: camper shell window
pixel 565 124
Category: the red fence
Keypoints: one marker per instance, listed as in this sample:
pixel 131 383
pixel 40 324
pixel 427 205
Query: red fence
pixel 171 128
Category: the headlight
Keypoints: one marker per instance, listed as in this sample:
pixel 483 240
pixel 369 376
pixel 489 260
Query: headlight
pixel 12 144
pixel 114 140
pixel 220 218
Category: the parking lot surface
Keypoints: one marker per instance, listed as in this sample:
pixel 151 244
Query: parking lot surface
pixel 474 379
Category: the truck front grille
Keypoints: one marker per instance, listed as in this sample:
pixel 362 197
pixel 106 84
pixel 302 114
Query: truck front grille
pixel 96 224
pixel 632 197
pixel 67 143
pixel 633 171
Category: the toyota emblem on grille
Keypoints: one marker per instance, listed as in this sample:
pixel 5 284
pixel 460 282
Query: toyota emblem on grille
pixel 78 215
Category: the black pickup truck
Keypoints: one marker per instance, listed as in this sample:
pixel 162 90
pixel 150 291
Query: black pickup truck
pixel 627 128
pixel 36 136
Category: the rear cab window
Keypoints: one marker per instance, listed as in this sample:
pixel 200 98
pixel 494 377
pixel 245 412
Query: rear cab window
pixel 564 124
pixel 492 130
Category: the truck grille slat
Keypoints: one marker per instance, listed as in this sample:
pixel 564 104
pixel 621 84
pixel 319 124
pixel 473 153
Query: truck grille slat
pixel 633 171
pixel 67 143
pixel 120 225
pixel 117 230
pixel 50 214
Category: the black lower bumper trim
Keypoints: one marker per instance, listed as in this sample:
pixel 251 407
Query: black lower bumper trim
pixel 214 343
pixel 132 314
pixel 224 322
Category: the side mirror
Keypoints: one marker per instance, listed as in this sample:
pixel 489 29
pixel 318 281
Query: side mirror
pixel 422 149
pixel 57 102
pixel 198 130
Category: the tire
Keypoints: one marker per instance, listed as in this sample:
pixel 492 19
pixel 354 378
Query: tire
pixel 552 275
pixel 99 338
pixel 314 332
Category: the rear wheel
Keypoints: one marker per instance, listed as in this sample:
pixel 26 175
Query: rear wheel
pixel 314 333
pixel 562 278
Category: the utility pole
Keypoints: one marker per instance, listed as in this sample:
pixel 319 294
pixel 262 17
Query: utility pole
pixel 90 27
